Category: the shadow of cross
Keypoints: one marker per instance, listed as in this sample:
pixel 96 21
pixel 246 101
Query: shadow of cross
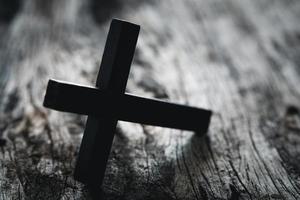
pixel 107 103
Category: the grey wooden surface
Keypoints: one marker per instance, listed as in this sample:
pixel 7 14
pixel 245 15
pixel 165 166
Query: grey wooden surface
pixel 239 58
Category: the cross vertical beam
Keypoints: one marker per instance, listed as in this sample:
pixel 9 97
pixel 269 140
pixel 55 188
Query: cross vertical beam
pixel 99 132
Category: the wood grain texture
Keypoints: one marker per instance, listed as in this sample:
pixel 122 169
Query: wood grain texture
pixel 238 58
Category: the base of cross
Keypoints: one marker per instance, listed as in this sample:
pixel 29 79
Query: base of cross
pixel 107 103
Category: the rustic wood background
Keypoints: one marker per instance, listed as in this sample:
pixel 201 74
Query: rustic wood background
pixel 239 58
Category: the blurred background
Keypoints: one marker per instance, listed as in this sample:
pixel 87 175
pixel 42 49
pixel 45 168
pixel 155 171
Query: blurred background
pixel 240 59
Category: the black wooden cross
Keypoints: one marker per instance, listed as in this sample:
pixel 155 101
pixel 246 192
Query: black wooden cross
pixel 107 103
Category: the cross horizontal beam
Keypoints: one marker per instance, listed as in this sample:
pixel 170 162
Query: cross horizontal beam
pixel 68 97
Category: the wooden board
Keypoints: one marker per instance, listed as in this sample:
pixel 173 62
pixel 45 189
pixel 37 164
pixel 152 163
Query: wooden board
pixel 238 58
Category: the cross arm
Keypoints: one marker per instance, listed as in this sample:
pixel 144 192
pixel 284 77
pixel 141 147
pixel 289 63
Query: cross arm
pixel 92 101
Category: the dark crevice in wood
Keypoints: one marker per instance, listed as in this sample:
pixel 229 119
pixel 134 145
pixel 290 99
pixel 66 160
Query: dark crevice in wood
pixel 263 162
pixel 239 179
pixel 235 194
pixel 190 178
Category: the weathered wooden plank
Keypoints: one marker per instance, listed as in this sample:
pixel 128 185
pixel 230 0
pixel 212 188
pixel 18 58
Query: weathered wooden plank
pixel 238 58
